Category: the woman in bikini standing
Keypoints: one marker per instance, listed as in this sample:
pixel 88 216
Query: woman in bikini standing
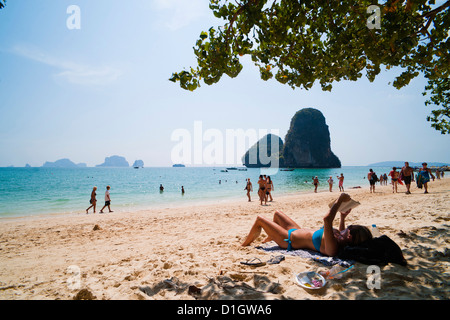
pixel 93 200
pixel 394 176
pixel 249 189
pixel 327 240
pixel 262 188
pixel 269 188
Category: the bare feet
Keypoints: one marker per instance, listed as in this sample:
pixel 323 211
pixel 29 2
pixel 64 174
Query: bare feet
pixel 268 239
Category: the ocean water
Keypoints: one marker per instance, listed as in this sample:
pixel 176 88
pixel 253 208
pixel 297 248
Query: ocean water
pixel 35 191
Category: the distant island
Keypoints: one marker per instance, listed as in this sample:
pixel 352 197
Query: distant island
pixel 63 163
pixel 178 165
pixel 114 161
pixel 400 164
pixel 138 164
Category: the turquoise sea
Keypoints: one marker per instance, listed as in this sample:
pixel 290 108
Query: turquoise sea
pixel 35 191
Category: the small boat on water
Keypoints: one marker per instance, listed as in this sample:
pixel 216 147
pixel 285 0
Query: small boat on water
pixel 287 169
pixel 232 168
pixel 224 170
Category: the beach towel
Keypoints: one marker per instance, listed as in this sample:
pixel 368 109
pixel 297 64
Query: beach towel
pixel 419 181
pixel 380 251
pixel 272 247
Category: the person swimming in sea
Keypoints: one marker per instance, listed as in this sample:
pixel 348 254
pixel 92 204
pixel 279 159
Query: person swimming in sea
pixel 326 240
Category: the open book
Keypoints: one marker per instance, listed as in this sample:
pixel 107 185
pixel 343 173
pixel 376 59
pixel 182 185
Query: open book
pixel 345 206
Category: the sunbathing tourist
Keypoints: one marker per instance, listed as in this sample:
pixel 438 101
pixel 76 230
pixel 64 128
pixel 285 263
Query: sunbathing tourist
pixel 327 240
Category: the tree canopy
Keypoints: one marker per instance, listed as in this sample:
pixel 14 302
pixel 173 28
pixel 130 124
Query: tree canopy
pixel 301 42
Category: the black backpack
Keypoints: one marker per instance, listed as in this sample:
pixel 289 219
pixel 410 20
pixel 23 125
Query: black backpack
pixel 379 251
pixel 374 177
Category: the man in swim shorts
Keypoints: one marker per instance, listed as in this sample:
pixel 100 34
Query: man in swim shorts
pixel 407 173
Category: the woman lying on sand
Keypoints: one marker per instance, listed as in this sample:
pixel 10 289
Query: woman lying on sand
pixel 288 235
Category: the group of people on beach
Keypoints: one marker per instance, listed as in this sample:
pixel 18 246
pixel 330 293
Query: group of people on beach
pixel 93 200
pixel 406 174
pixel 265 189
pixel 330 183
pixel 327 240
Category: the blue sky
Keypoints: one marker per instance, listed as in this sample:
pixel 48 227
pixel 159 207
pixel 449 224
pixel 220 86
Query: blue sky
pixel 103 90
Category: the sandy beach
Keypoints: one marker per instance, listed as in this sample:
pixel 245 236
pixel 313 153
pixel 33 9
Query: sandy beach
pixel 159 254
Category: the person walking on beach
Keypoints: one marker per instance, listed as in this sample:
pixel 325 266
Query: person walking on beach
pixel 249 189
pixel 330 183
pixel 425 173
pixel 372 177
pixel 107 200
pixel 316 183
pixel 394 179
pixel 93 200
pixel 407 175
pixel 341 182
pixel 182 190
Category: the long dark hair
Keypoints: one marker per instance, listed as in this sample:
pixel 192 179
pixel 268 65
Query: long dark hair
pixel 359 234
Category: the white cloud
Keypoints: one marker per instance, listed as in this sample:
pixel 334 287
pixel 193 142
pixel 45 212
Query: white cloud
pixel 71 72
pixel 177 14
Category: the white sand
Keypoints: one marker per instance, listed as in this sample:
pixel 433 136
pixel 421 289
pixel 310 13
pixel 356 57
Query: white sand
pixel 134 254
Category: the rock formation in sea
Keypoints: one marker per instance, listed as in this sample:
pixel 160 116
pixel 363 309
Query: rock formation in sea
pixel 62 163
pixel 307 143
pixel 261 155
pixel 138 164
pixel 114 161
pixel 178 165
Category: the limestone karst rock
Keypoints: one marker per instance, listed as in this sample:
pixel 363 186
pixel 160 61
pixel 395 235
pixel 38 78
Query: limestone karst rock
pixel 261 155
pixel 307 143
